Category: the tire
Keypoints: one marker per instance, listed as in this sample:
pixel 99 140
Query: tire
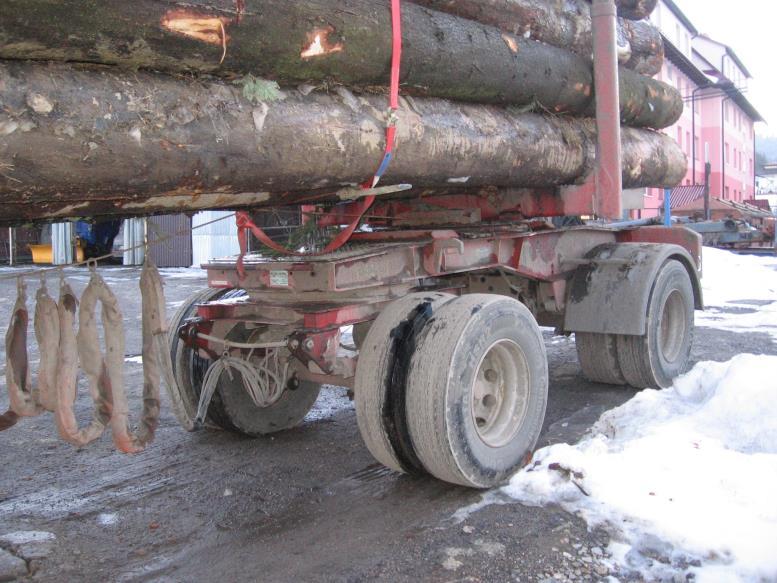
pixel 457 435
pixel 598 356
pixel 247 418
pixel 379 393
pixel 230 408
pixel 657 358
pixel 189 368
pixel 286 413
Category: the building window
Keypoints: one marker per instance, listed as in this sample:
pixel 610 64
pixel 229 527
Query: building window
pixel 680 136
pixel 688 143
pixel 727 153
pixel 696 146
pixel 726 196
pixel 725 111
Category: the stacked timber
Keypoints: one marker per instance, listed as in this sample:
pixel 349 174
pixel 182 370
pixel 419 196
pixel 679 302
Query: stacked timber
pixel 124 108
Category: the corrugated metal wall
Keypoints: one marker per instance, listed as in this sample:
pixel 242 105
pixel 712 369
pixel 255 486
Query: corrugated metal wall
pixel 175 252
pixel 62 243
pixel 214 240
pixel 133 234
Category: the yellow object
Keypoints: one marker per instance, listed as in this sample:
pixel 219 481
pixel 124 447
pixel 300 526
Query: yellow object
pixel 44 254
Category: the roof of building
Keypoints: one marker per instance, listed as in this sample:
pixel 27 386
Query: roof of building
pixel 681 16
pixel 684 195
pixel 679 60
pixel 730 52
pixel 738 97
pixel 761 203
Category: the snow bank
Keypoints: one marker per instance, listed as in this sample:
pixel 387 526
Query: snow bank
pixel 740 292
pixel 684 479
pixel 194 272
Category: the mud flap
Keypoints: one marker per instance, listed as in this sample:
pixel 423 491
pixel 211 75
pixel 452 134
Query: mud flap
pixel 609 293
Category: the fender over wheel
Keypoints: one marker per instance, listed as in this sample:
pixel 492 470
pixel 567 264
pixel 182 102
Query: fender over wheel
pixel 656 358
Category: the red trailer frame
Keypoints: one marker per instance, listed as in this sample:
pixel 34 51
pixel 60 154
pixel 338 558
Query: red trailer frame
pixel 625 292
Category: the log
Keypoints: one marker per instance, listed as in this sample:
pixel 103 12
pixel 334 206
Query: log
pixel 561 23
pixel 86 141
pixel 326 42
pixel 647 47
pixel 635 9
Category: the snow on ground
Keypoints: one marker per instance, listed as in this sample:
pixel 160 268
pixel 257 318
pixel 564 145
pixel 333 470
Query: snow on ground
pixel 182 272
pixel 684 479
pixel 740 292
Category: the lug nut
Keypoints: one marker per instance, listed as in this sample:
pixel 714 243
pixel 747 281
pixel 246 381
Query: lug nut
pixel 309 344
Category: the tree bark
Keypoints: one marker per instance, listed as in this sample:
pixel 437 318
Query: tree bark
pixel 635 9
pixel 81 142
pixel 647 47
pixel 443 55
pixel 561 23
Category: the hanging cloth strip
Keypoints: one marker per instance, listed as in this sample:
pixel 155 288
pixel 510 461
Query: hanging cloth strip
pixel 154 352
pixel 47 335
pixel 67 378
pixel 28 400
pixel 17 367
pixel 243 219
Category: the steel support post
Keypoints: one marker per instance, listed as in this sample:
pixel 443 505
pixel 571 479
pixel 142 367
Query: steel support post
pixel 609 182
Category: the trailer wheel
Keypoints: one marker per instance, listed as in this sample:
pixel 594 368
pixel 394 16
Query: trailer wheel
pixel 657 358
pixel 598 356
pixel 249 419
pixel 477 390
pixel 381 375
pixel 189 368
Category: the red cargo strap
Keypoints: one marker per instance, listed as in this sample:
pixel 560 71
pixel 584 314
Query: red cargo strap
pixel 243 219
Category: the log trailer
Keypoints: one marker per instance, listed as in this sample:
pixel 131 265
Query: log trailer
pixel 446 297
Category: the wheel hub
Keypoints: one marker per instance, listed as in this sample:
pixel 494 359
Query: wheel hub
pixel 500 393
pixel 673 326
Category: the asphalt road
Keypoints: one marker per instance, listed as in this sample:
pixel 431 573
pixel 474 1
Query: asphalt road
pixel 309 504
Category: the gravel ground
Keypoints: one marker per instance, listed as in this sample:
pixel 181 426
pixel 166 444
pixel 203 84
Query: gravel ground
pixel 308 504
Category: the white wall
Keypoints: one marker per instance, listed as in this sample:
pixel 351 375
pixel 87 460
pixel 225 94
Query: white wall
pixel 215 240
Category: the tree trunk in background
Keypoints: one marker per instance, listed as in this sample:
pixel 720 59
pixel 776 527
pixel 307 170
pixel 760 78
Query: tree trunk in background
pixel 319 41
pixel 561 23
pixel 94 141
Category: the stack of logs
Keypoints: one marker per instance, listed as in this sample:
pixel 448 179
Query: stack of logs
pixel 117 107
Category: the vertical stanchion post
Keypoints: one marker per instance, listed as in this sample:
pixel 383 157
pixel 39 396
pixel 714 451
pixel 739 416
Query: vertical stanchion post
pixel 668 207
pixel 609 182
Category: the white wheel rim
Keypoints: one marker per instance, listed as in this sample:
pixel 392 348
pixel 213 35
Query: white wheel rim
pixel 500 393
pixel 673 325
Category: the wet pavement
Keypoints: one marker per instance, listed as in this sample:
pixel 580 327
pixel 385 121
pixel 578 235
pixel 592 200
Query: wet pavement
pixel 308 504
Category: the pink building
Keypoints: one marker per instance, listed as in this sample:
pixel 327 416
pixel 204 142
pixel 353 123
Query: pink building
pixel 717 125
